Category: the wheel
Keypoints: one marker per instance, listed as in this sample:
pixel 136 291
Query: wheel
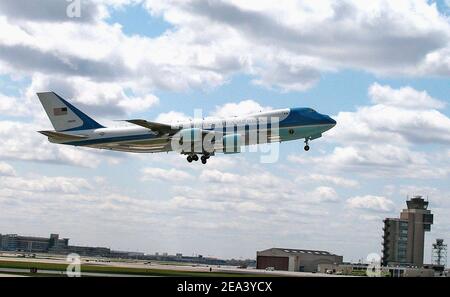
pixel 306 147
pixel 189 159
pixel 195 157
pixel 204 159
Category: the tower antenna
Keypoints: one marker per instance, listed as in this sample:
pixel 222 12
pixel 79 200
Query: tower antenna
pixel 439 252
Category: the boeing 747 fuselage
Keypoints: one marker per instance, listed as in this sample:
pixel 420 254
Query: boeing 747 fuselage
pixel 195 137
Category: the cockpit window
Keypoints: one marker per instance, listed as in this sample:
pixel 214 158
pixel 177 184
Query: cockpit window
pixel 310 110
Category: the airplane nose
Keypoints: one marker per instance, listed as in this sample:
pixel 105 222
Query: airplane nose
pixel 331 121
pixel 328 120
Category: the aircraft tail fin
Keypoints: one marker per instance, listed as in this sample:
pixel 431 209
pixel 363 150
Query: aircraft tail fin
pixel 63 115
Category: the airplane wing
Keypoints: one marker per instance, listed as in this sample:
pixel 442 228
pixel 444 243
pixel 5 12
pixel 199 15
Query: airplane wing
pixel 160 146
pixel 157 127
pixel 138 149
pixel 62 136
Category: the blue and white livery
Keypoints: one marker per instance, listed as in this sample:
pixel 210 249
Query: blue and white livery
pixel 203 137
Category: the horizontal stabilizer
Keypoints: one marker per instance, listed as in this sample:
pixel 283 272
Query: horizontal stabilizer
pixel 62 136
pixel 157 127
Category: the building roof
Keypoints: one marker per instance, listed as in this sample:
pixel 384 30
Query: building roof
pixel 297 251
pixel 417 202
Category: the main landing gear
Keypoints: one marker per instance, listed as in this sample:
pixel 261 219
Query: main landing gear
pixel 204 159
pixel 194 157
pixel 191 158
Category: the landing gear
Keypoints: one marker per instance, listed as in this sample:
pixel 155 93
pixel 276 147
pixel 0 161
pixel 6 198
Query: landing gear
pixel 191 158
pixel 204 159
pixel 195 157
pixel 306 145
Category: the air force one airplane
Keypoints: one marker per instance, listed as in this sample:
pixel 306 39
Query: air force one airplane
pixel 196 137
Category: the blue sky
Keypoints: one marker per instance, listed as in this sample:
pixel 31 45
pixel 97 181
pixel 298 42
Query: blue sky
pixel 160 60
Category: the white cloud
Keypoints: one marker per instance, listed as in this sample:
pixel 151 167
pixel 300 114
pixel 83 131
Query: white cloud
pixel 180 202
pixel 286 47
pixel 324 194
pixel 370 202
pixel 379 160
pixel 6 169
pixel 171 117
pixel 49 11
pixel 391 124
pixel 103 54
pixel 46 184
pixel 95 98
pixel 241 108
pixel 390 121
pixel 21 142
pixel 172 174
pixel 250 206
pixel 336 180
pixel 216 176
pixel 289 45
pixel 12 106
pixel 387 138
pixel 288 73
pixel 138 104
pixel 404 97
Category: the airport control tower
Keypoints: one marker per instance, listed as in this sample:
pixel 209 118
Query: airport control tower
pixel 403 238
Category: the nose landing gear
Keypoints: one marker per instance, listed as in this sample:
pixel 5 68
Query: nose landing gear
pixel 306 144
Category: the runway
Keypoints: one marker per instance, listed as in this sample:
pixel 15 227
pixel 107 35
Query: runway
pixel 54 265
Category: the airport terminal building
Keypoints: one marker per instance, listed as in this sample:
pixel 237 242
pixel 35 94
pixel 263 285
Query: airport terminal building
pixel 52 244
pixel 294 259
pixel 14 242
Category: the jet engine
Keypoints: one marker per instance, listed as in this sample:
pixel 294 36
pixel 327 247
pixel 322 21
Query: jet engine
pixel 231 143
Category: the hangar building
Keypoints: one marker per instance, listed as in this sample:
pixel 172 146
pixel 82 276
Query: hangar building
pixel 294 260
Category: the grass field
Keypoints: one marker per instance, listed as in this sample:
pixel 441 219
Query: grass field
pixel 119 270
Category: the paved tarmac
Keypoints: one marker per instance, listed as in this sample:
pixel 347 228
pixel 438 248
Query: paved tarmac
pixel 156 265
